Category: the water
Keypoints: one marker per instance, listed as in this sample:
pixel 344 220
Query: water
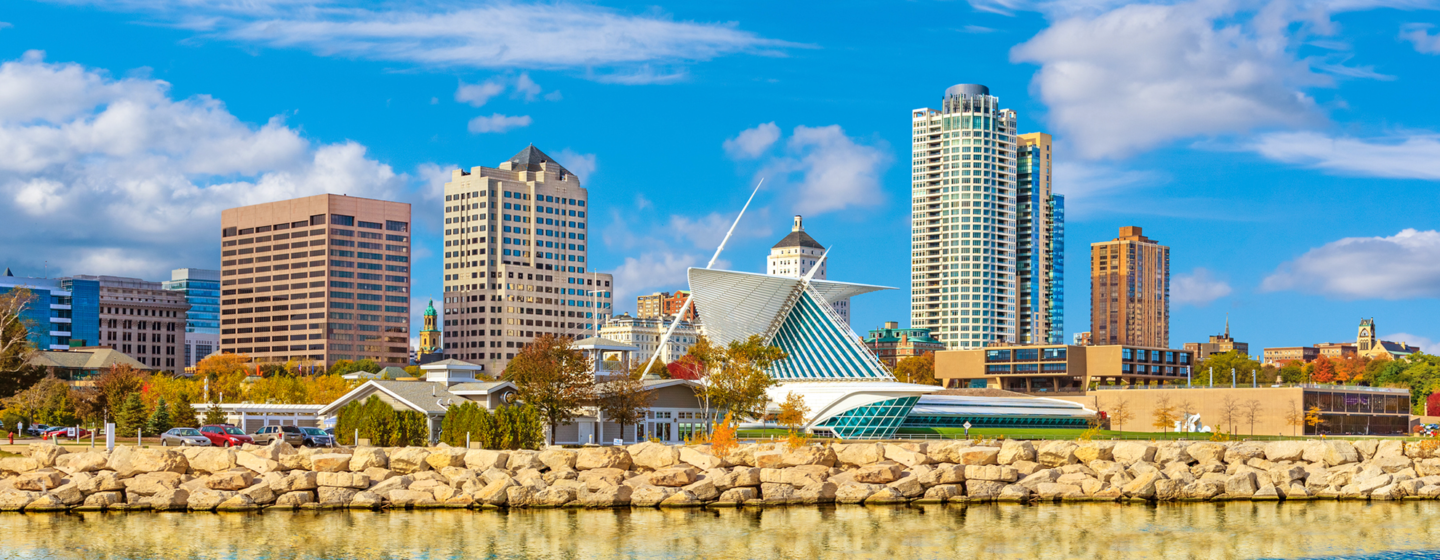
pixel 1326 529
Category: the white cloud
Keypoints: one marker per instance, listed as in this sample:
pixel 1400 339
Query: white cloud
pixel 824 170
pixel 1403 266
pixel 1093 188
pixel 113 176
pixel 497 123
pixel 1419 35
pixel 582 165
pixel 1426 344
pixel 478 94
pixel 659 270
pixel 1199 287
pixel 1409 157
pixel 551 35
pixel 526 87
pixel 1141 75
pixel 554 96
pixel 752 142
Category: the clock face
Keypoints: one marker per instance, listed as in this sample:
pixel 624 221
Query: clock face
pixel 1364 332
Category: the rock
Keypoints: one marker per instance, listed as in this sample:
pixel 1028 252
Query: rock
pixel 885 495
pixel 206 500
pixel 406 498
pixel 701 458
pixel 1421 450
pixel 554 496
pixel 703 490
pixel 1131 452
pixel 68 494
pixel 1240 485
pixel 72 463
pixel 295 499
pixel 1393 464
pixel 1053 491
pixel 942 492
pixel 1168 490
pixel 330 462
pixel 408 460
pixel 45 502
pixel 816 493
pixel 652 455
pixel 168 500
pixel 296 481
pixel 1367 485
pixel 367 458
pixel 804 455
pixel 745 476
pixel 211 459
pixel 611 496
pixel 261 494
pixel 908 487
pixel 1166 453
pixel 11 466
pixel 983 490
pixel 1386 448
pixel 1091 451
pixel 997 473
pixel 594 479
pixel 256 463
pixel 558 459
pixel 480 460
pixel 904 456
pixel 680 498
pixel 878 474
pixel 524 459
pixel 979 456
pixel 39 481
pixel 16 500
pixel 1200 490
pixel 1013 493
pixel 859 454
pixel 651 496
pixel 230 480
pixel 1143 486
pixel 1013 450
pixel 238 502
pixel 1207 452
pixel 769 459
pixel 343 480
pixel 1366 448
pixel 102 500
pixel 127 461
pixel 1035 479
pixel 366 500
pixel 1057 453
pixel 673 477
pixel 803 476
pixel 1338 452
pixel 944 473
pixel 496 493
pixel 149 484
pixel 1284 450
pixel 335 496
pixel 1025 468
pixel 602 458
pixel 742 495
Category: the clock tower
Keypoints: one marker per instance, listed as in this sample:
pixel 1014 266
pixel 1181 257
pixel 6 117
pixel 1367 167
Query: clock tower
pixel 1366 339
pixel 430 335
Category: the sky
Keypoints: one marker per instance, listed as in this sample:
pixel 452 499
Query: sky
pixel 1286 151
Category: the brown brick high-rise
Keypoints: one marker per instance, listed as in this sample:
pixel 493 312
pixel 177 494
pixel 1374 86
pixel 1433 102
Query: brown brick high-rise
pixel 1130 291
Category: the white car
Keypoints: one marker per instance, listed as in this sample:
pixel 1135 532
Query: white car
pixel 183 437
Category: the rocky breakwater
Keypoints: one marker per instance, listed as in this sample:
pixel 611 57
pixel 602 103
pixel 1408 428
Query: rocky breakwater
pixel 49 478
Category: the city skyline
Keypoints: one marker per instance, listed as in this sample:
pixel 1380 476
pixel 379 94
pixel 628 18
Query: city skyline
pixel 1242 183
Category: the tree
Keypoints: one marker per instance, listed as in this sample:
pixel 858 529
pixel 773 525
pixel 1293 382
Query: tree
pixel 325 389
pixel 1251 411
pixel 659 368
pixel 623 399
pixel 1292 371
pixel 1323 370
pixel 226 374
pixel 1229 408
pixel 696 366
pixel 183 413
pixel 1294 417
pixel 16 348
pixel 117 384
pixel 1163 415
pixel 1350 369
pixel 917 369
pixel 1185 409
pixel 687 367
pixel 792 412
pixel 554 378
pixel 214 414
pixel 1120 413
pixel 160 420
pixel 722 437
pixel 130 416
pixel 1313 418
pixel 1222 363
pixel 344 367
pixel 738 383
pixel 48 401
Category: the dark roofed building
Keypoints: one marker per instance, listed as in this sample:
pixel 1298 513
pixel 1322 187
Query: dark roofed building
pixel 892 343
pixel 79 364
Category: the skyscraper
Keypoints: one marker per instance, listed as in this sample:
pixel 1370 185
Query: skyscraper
pixel 316 279
pixel 202 322
pixel 1130 291
pixel 969 281
pixel 1040 245
pixel 795 255
pixel 515 260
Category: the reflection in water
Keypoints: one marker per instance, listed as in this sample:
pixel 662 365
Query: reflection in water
pixel 1220 530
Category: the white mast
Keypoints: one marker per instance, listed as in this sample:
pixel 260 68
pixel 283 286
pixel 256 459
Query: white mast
pixel 680 314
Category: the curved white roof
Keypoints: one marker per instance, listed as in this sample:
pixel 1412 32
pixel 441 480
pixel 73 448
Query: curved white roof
pixel 746 303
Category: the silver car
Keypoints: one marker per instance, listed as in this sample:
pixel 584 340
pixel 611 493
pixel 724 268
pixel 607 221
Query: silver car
pixel 183 437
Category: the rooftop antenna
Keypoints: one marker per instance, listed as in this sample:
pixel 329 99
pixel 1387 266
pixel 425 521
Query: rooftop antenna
pixel 691 296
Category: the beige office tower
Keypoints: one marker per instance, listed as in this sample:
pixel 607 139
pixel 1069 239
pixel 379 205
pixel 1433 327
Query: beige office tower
pixel 316 280
pixel 515 260
pixel 963 219
pixel 1130 291
pixel 142 320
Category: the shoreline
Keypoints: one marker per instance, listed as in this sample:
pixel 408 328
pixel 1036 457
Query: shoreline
pixel 651 475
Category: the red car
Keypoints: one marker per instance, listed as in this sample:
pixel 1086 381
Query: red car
pixel 64 433
pixel 224 435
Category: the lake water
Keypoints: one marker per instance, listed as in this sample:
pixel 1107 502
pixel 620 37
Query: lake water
pixel 1190 531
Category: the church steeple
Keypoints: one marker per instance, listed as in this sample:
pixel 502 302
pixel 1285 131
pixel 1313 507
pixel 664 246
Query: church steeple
pixel 430 335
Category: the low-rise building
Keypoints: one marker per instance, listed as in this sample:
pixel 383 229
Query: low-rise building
pixel 645 335
pixel 1218 344
pixel 81 364
pixel 664 304
pixel 1336 350
pixel 1280 355
pixel 1061 368
pixel 1272 410
pixel 892 343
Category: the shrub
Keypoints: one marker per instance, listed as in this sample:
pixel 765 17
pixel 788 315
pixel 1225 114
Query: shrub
pixel 381 424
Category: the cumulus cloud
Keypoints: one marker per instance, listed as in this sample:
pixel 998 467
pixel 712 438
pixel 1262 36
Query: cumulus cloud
pixel 526 87
pixel 1403 266
pixel 551 35
pixel 582 165
pixel 498 123
pixel 479 94
pixel 113 176
pixel 752 142
pixel 1408 157
pixel 652 271
pixel 1138 76
pixel 824 170
pixel 1198 287
pixel 1419 35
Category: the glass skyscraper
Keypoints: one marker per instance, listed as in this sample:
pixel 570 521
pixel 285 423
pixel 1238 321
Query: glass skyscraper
pixel 202 323
pixel 1040 247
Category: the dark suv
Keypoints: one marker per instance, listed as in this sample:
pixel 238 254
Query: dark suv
pixel 290 434
pixel 316 437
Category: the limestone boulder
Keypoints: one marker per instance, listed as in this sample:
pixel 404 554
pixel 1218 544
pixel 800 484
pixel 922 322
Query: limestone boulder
pixel 805 475
pixel 102 500
pixel 72 463
pixel 1172 452
pixel 1131 452
pixel 335 495
pixel 1393 464
pixel 908 486
pixel 983 490
pixel 742 495
pixel 945 473
pixel 139 461
pixel 769 458
pixel 524 459
pixel 1340 452
pixel 330 462
pixel 805 455
pixel 295 481
pixel 1091 451
pixel 238 502
pixel 16 500
pixel 558 459
pixel 207 500
pixel 408 460
pixel 1043 476
pixel 256 463
pixel 407 498
pixel 1421 450
pixel 234 479
pixel 260 494
pixel 1013 451
pixel 859 454
pixel 39 481
pixel 1143 486
pixel 997 473
pixel 1387 448
pixel 705 491
pixel 653 456
pixel 1366 448
pixel 446 457
pixel 1241 485
pixel 368 458
pixel 366 500
pixel 1288 450
pixel 942 492
pixel 343 480
pixel 602 458
pixel 700 457
pixel 885 495
pixel 612 496
pixel 479 460
pixel 149 484
pixel 878 474
pixel 555 496
pixel 978 456
pixel 210 459
pixel 673 476
pixel 1054 491
pixel 295 499
pixel 103 481
pixel 909 455
pixel 496 493
pixel 595 479
pixel 651 496
pixel 1207 452
pixel 1057 453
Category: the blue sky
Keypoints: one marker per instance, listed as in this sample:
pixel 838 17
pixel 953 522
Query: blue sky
pixel 1286 151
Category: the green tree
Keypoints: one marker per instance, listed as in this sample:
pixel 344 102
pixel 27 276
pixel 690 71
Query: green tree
pixel 623 399
pixel 16 348
pixel 130 417
pixel 738 382
pixel 344 367
pixel 917 369
pixel 384 426
pixel 1245 368
pixel 214 415
pixel 160 420
pixel 552 377
pixel 183 412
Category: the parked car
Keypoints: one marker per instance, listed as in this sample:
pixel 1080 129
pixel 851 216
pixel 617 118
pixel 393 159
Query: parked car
pixel 225 435
pixel 290 434
pixel 64 432
pixel 316 437
pixel 36 430
pixel 183 437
